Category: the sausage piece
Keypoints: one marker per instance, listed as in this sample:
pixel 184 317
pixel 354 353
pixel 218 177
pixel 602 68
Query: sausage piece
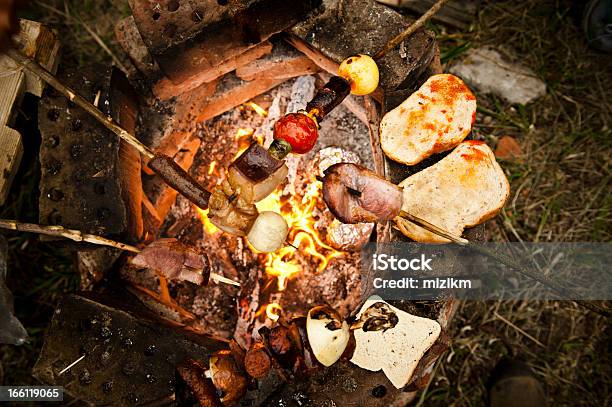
pixel 355 194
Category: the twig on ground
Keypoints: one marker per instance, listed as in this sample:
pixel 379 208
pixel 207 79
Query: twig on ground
pixel 394 42
pixel 519 330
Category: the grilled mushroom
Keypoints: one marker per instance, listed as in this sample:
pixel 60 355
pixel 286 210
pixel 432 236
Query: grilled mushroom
pixel 327 333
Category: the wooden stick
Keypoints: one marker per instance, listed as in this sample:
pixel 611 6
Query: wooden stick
pixel 508 261
pixel 164 166
pixel 79 236
pixel 410 30
pixel 433 228
pixel 61 231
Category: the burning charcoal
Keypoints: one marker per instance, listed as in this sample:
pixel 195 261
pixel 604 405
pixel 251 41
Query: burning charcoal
pixel 174 260
pixel 193 387
pixel 257 361
pixel 279 340
pixel 11 330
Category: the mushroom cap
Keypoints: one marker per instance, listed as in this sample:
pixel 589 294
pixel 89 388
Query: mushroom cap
pixel 328 335
pixel 269 232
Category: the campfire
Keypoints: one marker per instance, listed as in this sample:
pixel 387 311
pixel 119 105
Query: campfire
pixel 254 281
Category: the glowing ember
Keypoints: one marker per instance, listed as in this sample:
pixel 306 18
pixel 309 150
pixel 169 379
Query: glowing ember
pixel 258 109
pixel 211 167
pixel 273 311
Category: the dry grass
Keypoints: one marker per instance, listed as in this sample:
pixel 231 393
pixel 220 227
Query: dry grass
pixel 561 192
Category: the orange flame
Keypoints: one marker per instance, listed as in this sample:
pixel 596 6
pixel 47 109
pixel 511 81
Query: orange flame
pixel 209 227
pixel 258 109
pixel 273 311
pixel 298 213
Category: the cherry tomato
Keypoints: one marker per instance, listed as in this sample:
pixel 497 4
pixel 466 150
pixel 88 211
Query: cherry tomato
pixel 297 129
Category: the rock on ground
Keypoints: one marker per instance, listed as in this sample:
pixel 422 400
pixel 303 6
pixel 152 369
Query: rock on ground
pixel 487 71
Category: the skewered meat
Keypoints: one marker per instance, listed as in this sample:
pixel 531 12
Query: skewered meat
pixel 328 97
pixel 230 211
pixel 464 189
pixel 194 387
pixel 227 377
pixel 435 118
pixel 174 260
pixel 255 174
pixel 355 194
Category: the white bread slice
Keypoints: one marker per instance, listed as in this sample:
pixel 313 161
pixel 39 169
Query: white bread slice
pixel 433 119
pixel 398 350
pixel 465 188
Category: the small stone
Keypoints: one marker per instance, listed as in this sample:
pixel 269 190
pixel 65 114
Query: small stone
pixel 85 377
pixel 487 71
pixel 150 350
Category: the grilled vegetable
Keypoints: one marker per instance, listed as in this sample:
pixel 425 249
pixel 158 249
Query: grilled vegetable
pixel 269 232
pixel 361 72
pixel 297 129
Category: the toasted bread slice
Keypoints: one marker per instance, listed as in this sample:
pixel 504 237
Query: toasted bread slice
pixel 465 188
pixel 433 119
pixel 396 351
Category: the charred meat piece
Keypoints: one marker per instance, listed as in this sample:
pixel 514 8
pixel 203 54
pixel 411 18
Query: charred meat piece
pixel 174 260
pixel 229 380
pixel 355 194
pixel 256 173
pixel 328 97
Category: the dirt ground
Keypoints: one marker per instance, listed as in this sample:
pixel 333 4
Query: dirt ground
pixel 560 192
